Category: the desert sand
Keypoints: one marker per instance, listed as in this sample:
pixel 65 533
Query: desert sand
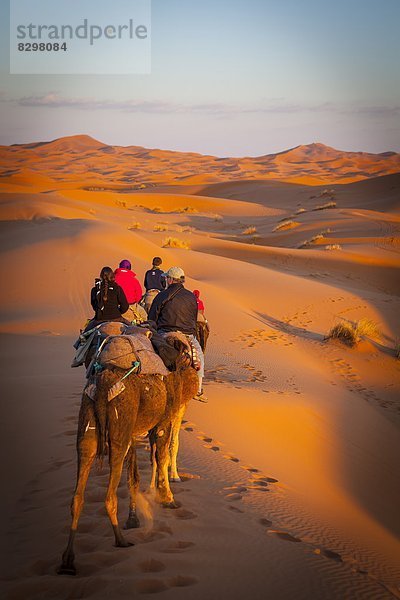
pixel 291 486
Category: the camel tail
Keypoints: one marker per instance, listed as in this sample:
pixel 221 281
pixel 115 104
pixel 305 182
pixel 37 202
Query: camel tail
pixel 105 381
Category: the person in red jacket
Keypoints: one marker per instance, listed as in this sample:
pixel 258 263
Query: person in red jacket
pixel 202 326
pixel 126 278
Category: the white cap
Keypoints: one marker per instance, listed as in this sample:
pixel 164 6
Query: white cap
pixel 175 273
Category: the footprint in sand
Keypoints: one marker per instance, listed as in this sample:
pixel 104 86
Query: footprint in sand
pixel 259 483
pixel 284 535
pixel 181 581
pixel 177 547
pixel 251 469
pixel 151 565
pixel 232 458
pixel 263 479
pixel 184 514
pixel 328 554
pixel 210 447
pixel 235 509
pixel 204 438
pixel 265 522
pixel 233 497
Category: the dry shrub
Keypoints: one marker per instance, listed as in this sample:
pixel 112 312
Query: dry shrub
pixel 135 225
pixel 317 237
pixel 326 193
pixel 218 218
pixel 333 247
pixel 326 205
pixel 367 328
pixel 299 211
pixel 344 332
pixel 186 209
pixel 286 224
pixel 160 227
pixel 249 231
pixel 156 209
pixel 312 240
pixel 171 242
pixel 121 203
pixel 351 333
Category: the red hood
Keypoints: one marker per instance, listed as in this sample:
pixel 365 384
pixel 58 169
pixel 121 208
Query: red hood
pixel 124 271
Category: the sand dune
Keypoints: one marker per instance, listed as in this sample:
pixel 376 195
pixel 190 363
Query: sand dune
pixel 295 456
pixel 132 167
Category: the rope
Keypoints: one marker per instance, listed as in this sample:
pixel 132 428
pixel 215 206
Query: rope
pixel 135 366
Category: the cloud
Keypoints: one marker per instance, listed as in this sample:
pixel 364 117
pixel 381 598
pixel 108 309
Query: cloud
pixel 271 106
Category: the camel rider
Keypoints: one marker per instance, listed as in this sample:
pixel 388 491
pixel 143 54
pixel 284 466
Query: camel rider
pixel 126 278
pixel 175 309
pixel 154 282
pixel 108 299
pixel 202 327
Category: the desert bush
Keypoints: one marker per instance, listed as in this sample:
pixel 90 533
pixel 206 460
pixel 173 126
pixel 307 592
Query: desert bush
pixel 171 242
pixel 135 225
pixel 121 203
pixel 156 209
pixel 186 209
pixel 160 227
pixel 286 224
pixel 333 247
pixel 326 205
pixel 315 238
pixel 344 332
pixel 312 240
pixel 351 333
pixel 367 328
pixel 249 231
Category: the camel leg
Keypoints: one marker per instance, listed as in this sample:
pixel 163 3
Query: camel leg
pixel 174 446
pixel 117 456
pixel 86 447
pixel 163 439
pixel 152 440
pixel 133 486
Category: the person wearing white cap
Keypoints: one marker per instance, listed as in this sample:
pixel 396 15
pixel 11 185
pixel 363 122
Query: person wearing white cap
pixel 175 309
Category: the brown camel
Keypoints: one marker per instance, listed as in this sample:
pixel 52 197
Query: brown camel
pixel 148 403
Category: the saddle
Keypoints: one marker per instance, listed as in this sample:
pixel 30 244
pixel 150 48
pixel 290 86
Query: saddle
pixel 190 355
pixel 127 350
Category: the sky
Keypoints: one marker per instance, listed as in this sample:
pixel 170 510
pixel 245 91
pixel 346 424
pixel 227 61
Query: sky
pixel 228 78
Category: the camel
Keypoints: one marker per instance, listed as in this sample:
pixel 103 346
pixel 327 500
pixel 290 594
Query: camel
pixel 149 403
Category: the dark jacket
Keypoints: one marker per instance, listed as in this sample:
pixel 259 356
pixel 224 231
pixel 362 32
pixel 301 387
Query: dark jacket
pixel 153 279
pixel 116 304
pixel 177 314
